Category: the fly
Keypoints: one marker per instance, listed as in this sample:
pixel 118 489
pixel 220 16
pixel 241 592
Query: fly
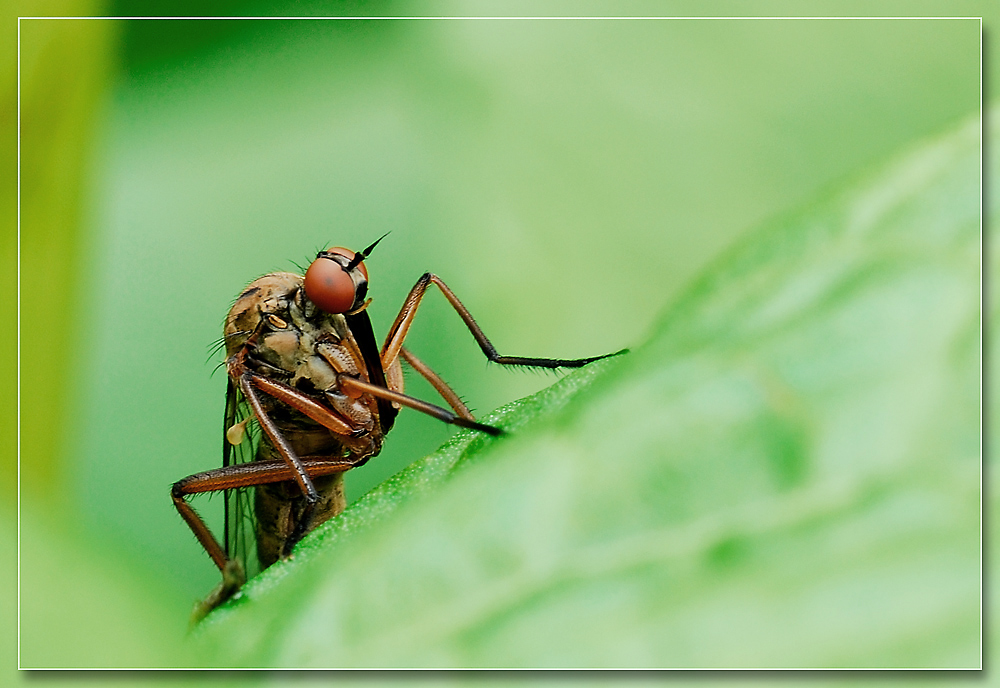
pixel 310 395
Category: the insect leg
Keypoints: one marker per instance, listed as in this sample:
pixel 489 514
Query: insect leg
pixel 288 454
pixel 347 382
pixel 440 385
pixel 242 475
pixel 232 477
pixel 197 525
pixel 303 404
pixel 298 401
pixel 401 326
pixel 259 473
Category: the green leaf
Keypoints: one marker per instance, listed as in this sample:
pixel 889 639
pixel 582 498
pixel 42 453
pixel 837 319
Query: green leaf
pixel 787 474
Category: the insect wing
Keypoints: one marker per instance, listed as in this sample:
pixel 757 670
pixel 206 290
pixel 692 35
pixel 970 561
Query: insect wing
pixel 240 538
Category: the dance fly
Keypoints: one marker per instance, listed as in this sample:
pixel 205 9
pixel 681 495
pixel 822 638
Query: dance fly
pixel 311 395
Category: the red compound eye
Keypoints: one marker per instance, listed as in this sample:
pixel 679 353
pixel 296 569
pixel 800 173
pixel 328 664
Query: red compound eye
pixel 329 286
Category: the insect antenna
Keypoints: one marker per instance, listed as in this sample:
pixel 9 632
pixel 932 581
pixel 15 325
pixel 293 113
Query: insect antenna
pixel 361 255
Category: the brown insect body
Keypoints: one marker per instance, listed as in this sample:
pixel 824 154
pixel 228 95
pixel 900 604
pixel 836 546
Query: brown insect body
pixel 275 331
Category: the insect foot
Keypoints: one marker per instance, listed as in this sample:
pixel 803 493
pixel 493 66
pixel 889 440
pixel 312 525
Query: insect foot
pixel 233 578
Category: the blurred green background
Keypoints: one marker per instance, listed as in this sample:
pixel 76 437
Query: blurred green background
pixel 565 177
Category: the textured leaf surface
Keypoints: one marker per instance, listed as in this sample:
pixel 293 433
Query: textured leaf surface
pixel 787 474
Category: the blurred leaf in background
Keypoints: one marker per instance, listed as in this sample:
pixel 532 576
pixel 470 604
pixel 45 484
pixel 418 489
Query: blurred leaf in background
pixel 68 581
pixel 566 178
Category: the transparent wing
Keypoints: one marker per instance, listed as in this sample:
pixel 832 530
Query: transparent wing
pixel 240 539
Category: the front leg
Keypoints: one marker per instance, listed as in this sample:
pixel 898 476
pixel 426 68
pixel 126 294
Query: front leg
pixel 401 327
pixel 282 446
